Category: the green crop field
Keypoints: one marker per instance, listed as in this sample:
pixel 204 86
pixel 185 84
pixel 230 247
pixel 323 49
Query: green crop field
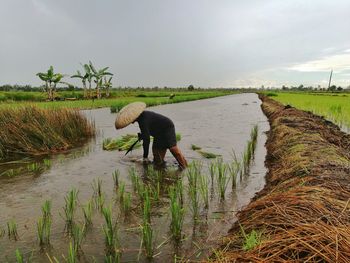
pixel 117 100
pixel 335 107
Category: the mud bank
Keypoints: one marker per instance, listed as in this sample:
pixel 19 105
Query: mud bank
pixel 303 213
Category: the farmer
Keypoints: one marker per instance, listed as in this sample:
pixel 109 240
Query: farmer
pixel 152 124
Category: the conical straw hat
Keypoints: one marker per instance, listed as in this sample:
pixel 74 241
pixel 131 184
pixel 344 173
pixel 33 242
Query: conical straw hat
pixel 129 114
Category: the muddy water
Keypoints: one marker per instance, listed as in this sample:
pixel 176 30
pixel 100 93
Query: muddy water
pixel 219 125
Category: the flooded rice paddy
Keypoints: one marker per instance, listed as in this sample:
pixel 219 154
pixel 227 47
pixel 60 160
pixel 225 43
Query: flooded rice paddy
pixel 220 125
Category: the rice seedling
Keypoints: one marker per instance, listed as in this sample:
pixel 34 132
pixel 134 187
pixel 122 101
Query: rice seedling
pixel 12 172
pixel 235 170
pixel 193 174
pixel 146 212
pixel 19 256
pixel 35 168
pixel 44 230
pixel 212 171
pixel 78 233
pixel 2 231
pixel 133 177
pixel 116 175
pixel 110 232
pixel 97 187
pixel 46 209
pixel 153 175
pixel 147 239
pixel 140 189
pixel 254 138
pixel 112 258
pixel 121 192
pixel 98 195
pixel 249 151
pixel 72 254
pixel 33 131
pixel 204 190
pixel 87 212
pixel 222 178
pixel 12 229
pixel 47 163
pixel 126 205
pixel 180 190
pixel 100 201
pixel 155 191
pixel 71 201
pixel 177 213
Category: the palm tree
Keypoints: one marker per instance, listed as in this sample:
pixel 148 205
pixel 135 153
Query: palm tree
pixel 98 75
pixel 83 80
pixel 51 79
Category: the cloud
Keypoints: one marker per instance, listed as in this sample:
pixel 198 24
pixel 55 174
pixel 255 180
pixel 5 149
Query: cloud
pixel 338 62
pixel 42 8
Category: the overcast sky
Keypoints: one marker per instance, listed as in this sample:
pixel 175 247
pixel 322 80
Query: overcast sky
pixel 208 43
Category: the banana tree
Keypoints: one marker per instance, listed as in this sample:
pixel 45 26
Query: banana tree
pixel 107 85
pixel 98 75
pixel 51 79
pixel 83 80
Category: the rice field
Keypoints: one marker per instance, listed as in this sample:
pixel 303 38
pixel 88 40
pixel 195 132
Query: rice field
pixel 188 197
pixel 334 107
pixel 151 98
pixel 135 214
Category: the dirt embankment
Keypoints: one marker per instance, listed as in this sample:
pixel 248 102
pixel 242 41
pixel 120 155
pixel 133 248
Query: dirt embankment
pixel 303 212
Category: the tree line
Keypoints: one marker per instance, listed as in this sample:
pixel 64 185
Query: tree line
pixel 101 78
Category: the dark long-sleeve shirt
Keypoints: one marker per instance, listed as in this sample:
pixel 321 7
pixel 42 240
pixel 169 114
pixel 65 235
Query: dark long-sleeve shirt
pixel 152 124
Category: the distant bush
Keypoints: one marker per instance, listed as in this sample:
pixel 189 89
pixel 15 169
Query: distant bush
pixel 271 94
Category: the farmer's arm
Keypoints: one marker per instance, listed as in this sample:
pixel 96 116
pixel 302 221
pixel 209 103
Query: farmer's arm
pixel 145 136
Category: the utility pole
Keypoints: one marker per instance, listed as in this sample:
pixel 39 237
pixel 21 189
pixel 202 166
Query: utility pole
pixel 330 79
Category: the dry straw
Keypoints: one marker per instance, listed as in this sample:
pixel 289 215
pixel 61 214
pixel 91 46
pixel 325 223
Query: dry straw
pixel 303 213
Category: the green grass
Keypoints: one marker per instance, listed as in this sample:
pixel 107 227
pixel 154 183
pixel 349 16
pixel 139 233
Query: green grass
pixel 119 98
pixel 334 107
pixel 250 240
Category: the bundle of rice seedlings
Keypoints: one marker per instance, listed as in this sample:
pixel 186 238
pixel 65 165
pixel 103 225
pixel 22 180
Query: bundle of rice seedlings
pixel 124 142
pixel 205 154
pixel 208 155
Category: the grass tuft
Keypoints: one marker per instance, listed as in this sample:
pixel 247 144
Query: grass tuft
pixel 30 131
